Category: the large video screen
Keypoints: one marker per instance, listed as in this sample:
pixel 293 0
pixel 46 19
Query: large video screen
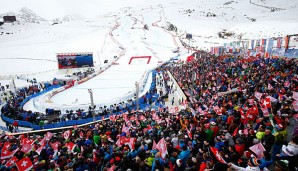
pixel 74 60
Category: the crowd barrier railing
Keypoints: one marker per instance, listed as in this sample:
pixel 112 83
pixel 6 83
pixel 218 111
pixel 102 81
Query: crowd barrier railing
pixel 142 106
pixel 38 94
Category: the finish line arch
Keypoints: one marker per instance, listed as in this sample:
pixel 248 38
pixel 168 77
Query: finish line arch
pixel 136 57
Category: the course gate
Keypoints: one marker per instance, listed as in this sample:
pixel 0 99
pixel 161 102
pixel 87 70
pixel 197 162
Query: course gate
pixel 134 57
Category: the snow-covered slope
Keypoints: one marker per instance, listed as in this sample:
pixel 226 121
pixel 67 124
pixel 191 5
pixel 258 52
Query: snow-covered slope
pixel 82 25
pixel 24 15
pixel 47 27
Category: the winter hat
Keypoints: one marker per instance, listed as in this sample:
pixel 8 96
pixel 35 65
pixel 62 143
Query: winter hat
pixel 213 123
pixel 254 162
pixel 288 150
pixel 240 140
pixel 117 158
pixel 282 164
pixel 138 160
pixel 112 161
pixel 177 147
pixel 179 162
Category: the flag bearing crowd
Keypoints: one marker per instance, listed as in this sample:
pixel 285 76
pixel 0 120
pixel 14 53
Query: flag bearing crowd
pixel 238 116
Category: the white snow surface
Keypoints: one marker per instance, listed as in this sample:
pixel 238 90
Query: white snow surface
pixel 28 47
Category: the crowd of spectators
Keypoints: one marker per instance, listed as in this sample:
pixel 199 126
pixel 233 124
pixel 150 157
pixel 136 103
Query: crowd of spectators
pixel 14 108
pixel 229 124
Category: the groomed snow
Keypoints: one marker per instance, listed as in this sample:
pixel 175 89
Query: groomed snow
pixel 84 26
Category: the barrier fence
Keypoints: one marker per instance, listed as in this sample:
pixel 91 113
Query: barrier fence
pixel 38 94
pixel 142 106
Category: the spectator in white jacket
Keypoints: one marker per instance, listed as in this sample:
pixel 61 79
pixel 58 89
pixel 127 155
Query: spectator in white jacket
pixel 253 165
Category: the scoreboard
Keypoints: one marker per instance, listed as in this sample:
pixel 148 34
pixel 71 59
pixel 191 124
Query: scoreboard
pixel 75 60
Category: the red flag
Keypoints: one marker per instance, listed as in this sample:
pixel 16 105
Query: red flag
pixel 230 103
pixel 112 118
pixel 131 142
pixel 125 129
pixel 67 134
pixel 132 118
pixel 149 127
pixel 26 148
pixel 142 118
pixel 126 140
pixel 270 86
pixel 6 145
pixel 154 145
pixel 250 116
pixel 189 133
pixel 272 99
pixel 295 95
pixel 258 95
pixel 24 164
pixel 38 151
pixel 251 101
pixel 26 140
pixel 243 118
pixel 254 110
pixel 55 146
pixel 258 149
pixel 162 148
pixel 6 153
pixel 118 143
pixel 217 155
pixel 235 132
pixel 49 136
pixel 266 102
pixel 42 142
pixel 11 162
pixel 295 105
pixel 265 112
pixel 245 131
pixel 287 83
pixel 217 110
pixel 112 168
pixel 70 146
pixel 10 136
pixel 137 122
pixel 125 117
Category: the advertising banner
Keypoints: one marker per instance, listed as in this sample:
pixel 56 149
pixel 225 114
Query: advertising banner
pixel 74 60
